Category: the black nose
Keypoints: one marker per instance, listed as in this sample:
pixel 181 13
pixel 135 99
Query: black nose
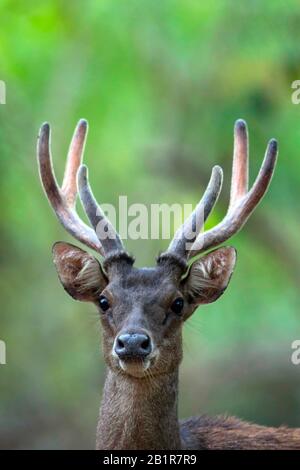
pixel 133 345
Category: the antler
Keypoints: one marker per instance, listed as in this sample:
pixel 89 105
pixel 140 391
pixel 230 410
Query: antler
pixel 106 233
pixel 63 200
pixel 242 202
pixel 188 232
pixel 104 238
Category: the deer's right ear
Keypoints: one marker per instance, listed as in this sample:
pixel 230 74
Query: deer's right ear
pixel 79 272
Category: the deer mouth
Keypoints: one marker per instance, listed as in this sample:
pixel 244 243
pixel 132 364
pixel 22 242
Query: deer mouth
pixel 136 366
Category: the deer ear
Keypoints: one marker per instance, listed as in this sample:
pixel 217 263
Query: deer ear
pixel 209 276
pixel 79 272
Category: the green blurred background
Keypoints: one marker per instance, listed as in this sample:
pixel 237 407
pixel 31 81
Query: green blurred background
pixel 161 84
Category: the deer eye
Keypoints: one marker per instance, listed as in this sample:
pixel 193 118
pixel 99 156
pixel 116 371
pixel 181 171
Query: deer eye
pixel 177 305
pixel 104 303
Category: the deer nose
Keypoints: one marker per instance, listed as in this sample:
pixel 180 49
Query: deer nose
pixel 133 345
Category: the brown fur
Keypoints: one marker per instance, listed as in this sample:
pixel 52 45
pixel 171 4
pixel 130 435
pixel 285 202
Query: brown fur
pixel 227 433
pixel 139 404
pixel 139 413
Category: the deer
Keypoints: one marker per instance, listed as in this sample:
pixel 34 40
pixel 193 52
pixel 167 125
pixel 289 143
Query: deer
pixel 143 310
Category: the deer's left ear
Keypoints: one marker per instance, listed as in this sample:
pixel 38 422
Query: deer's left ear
pixel 209 276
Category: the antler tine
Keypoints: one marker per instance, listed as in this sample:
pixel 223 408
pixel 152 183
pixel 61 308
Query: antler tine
pixel 45 164
pixel 188 232
pixel 74 159
pixel 242 204
pixel 106 234
pixel 239 180
pixel 63 199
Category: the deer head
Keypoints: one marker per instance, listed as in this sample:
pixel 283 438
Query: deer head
pixel 142 310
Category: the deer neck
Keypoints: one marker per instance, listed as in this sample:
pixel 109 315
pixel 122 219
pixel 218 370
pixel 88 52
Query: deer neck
pixel 139 413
